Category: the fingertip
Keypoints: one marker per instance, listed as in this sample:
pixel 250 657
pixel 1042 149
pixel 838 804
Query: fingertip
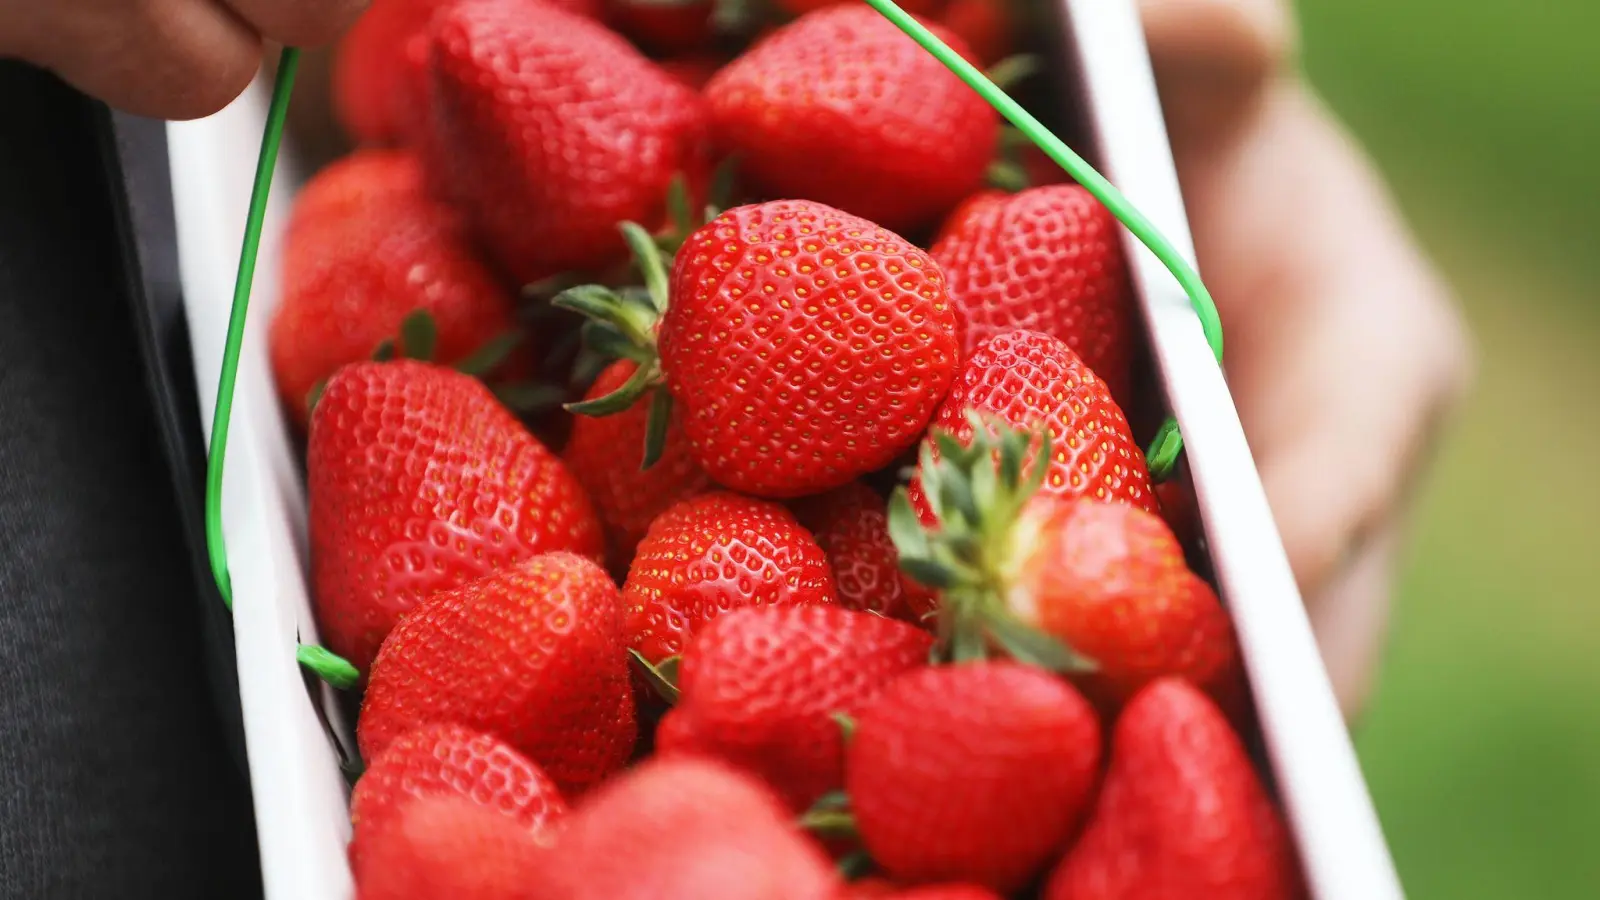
pixel 299 23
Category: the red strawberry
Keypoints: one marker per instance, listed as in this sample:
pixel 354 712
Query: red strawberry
pixel 1110 581
pixel 371 96
pixel 842 108
pixel 975 773
pixel 1054 580
pixel 1034 381
pixel 551 129
pixel 532 653
pixel 713 553
pixel 603 453
pixel 851 525
pixel 987 26
pixel 802 346
pixel 450 761
pixel 1047 259
pixel 759 688
pixel 365 249
pixel 801 7
pixel 947 892
pixel 665 26
pixel 683 828
pixel 420 481
pixel 444 846
pixel 1181 813
pixel 828 369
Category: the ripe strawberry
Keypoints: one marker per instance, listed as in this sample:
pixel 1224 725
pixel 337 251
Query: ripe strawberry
pixel 711 554
pixel 974 773
pixel 802 7
pixel 371 95
pixel 759 688
pixel 842 108
pixel 802 346
pixel 1181 813
pixel 532 653
pixel 420 481
pixel 551 129
pixel 365 249
pixel 683 828
pixel 451 761
pixel 1034 381
pixel 987 26
pixel 446 846
pixel 1054 580
pixel 603 453
pixel 665 26
pixel 887 890
pixel 851 525
pixel 1047 259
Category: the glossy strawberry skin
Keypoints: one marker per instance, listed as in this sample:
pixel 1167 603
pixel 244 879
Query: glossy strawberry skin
pixel 451 761
pixel 973 773
pixel 604 453
pixel 532 653
pixel 448 846
pixel 804 346
pixel 1182 813
pixel 1111 582
pixel 851 525
pixel 420 481
pixel 842 108
pixel 1046 259
pixel 713 553
pixel 1034 381
pixel 550 130
pixel 366 247
pixel 986 26
pixel 760 686
pixel 683 828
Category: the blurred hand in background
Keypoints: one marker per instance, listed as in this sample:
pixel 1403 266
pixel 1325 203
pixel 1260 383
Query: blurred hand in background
pixel 175 59
pixel 1345 350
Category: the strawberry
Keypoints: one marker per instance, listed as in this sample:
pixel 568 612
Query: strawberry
pixel 1111 582
pixel 1032 380
pixel 532 653
pixel 987 26
pixel 842 108
pixel 665 26
pixel 802 346
pixel 682 828
pixel 419 481
pixel 446 846
pixel 603 453
pixel 550 129
pixel 713 553
pixel 365 249
pixel 888 890
pixel 1097 589
pixel 694 71
pixel 759 687
pixel 801 7
pixel 851 525
pixel 1181 814
pixel 1046 259
pixel 451 761
pixel 973 773
pixel 372 95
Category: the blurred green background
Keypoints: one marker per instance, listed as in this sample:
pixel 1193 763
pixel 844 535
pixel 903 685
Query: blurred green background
pixel 1482 746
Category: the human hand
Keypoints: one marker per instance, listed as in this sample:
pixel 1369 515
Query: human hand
pixel 1345 351
pixel 175 59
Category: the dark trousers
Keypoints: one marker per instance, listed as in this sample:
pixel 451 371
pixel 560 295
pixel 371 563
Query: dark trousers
pixel 116 775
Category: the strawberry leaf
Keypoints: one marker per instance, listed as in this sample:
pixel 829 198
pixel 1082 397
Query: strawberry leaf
pixel 488 357
pixel 1033 647
pixel 529 399
pixel 384 351
pixel 655 432
pixel 662 677
pixel 418 336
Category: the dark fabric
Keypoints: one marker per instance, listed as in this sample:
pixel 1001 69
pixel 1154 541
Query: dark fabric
pixel 115 777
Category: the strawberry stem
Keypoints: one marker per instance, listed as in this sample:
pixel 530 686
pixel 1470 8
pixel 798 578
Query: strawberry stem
pixel 328 666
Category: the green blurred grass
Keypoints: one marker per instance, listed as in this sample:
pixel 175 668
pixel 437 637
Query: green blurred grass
pixel 1482 746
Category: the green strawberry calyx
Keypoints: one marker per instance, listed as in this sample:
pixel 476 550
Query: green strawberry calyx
pixel 662 676
pixel 977 492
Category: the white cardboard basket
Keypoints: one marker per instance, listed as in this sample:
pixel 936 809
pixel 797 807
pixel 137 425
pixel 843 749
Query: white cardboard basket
pixel 300 795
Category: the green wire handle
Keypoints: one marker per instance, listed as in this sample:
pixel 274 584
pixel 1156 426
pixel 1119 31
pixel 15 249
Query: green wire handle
pixel 1163 452
pixel 1162 455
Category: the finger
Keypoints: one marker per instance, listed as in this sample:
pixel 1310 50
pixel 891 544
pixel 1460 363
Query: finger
pixel 174 59
pixel 299 23
pixel 1211 57
pixel 1350 616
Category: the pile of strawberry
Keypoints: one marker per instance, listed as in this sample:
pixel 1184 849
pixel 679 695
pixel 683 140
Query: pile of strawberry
pixel 712 647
